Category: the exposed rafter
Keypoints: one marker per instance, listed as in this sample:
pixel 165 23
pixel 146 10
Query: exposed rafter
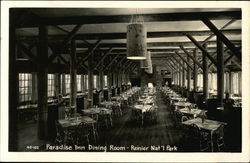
pixel 127 18
pixel 222 37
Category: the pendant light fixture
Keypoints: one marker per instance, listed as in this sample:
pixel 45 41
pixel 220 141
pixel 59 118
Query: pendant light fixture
pixel 136 39
pixel 145 63
pixel 149 69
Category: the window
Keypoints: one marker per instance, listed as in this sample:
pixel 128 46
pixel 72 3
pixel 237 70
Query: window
pixel 236 85
pixel 51 85
pixel 67 84
pixel 105 81
pixel 200 80
pixel 79 83
pixel 25 87
pixel 95 81
pixel 86 86
pixel 226 82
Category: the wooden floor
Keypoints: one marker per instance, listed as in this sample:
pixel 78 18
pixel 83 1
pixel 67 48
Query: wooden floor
pixel 126 132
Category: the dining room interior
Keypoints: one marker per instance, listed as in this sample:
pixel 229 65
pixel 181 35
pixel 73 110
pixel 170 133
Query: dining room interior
pixel 125 79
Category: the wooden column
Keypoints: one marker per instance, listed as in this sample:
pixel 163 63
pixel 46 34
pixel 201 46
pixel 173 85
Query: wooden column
pixel 13 86
pixel 205 74
pixel 82 84
pixel 57 82
pixel 188 75
pixel 114 78
pixel 109 83
pixel 195 71
pixel 63 85
pixel 73 84
pixel 101 76
pixel 90 80
pixel 220 72
pixel 180 76
pixel 175 78
pixel 42 76
pixel 184 75
pixel 34 87
pixel 230 82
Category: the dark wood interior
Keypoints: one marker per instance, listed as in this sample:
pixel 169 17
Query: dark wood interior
pixel 188 50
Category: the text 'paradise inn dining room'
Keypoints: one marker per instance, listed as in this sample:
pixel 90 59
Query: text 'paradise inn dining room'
pixel 125 80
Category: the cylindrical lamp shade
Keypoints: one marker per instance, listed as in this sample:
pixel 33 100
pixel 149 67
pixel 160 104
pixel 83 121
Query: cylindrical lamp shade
pixel 145 63
pixel 136 42
pixel 149 69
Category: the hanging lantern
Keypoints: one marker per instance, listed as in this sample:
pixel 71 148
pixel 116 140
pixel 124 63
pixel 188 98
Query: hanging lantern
pixel 145 63
pixel 149 69
pixel 136 41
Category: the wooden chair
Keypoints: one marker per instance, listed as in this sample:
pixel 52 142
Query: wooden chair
pixel 102 119
pixel 136 115
pixel 117 109
pixel 202 138
pixel 60 134
pixel 220 138
pixel 184 118
pixel 83 131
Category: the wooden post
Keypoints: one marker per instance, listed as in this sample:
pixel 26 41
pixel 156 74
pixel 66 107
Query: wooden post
pixel 90 81
pixel 220 72
pixel 205 74
pixel 73 84
pixel 180 76
pixel 188 75
pixel 13 86
pixel 195 71
pixel 34 87
pixel 42 76
pixel 114 78
pixel 57 81
pixel 184 75
pixel 101 76
pixel 63 85
pixel 175 78
pixel 109 83
pixel 82 83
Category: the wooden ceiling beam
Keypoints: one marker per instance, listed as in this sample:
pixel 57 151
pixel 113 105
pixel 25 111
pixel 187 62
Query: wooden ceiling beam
pixel 202 49
pixel 158 50
pixel 103 57
pixel 65 42
pixel 182 16
pixel 26 50
pixel 221 29
pixel 177 61
pixel 89 52
pixel 119 63
pixel 153 44
pixel 184 60
pixel 222 37
pixel 175 65
pixel 191 56
pixel 111 62
pixel 110 36
pixel 170 66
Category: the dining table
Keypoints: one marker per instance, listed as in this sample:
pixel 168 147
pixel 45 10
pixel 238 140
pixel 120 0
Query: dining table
pixel 208 125
pixel 182 104
pixel 191 112
pixel 112 105
pixel 99 111
pixel 143 109
pixel 75 121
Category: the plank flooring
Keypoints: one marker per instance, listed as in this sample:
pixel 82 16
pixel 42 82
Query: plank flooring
pixel 127 132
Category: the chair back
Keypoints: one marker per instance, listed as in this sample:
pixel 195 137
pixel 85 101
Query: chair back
pixel 220 131
pixel 184 118
pixel 196 131
pixel 59 129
